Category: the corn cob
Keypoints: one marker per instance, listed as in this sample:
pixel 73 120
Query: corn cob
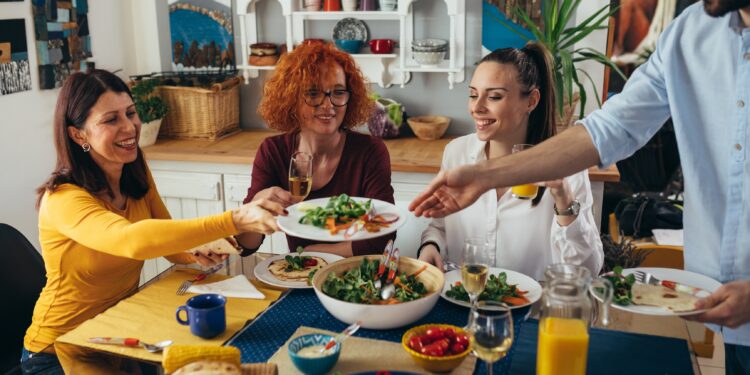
pixel 176 356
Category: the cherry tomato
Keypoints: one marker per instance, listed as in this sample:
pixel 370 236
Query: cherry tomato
pixel 415 343
pixel 434 333
pixel 462 339
pixel 424 339
pixel 457 348
pixel 449 333
pixel 443 344
pixel 309 263
pixel 435 352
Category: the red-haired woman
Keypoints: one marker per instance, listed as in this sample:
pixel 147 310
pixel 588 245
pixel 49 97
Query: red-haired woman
pixel 315 97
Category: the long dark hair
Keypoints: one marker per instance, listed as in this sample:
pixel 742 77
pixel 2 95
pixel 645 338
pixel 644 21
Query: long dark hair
pixel 534 65
pixel 78 95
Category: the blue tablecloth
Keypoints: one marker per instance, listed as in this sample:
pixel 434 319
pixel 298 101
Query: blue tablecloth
pixel 610 352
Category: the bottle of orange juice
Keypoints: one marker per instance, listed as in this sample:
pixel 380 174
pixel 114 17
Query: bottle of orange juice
pixel 565 318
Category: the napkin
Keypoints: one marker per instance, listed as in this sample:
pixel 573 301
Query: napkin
pixel 668 237
pixel 237 286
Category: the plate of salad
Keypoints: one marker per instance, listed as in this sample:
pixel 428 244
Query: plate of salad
pixel 341 218
pixel 514 288
pixel 293 270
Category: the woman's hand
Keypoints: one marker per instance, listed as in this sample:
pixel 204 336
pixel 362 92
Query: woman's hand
pixel 560 191
pixel 430 254
pixel 209 259
pixel 276 194
pixel 258 216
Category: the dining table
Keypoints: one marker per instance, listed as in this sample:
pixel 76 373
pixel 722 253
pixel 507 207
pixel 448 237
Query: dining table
pixel 630 344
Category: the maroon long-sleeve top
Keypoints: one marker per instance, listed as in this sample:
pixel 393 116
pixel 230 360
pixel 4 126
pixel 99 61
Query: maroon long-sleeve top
pixel 363 171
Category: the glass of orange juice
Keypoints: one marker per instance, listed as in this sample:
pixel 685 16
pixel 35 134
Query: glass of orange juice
pixel 525 191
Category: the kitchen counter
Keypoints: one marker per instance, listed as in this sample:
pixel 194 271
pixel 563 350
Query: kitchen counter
pixel 407 154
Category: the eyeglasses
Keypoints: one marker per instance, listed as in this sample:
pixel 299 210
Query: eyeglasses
pixel 338 97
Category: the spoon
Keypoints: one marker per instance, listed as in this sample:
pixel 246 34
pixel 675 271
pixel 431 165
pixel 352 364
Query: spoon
pixel 348 331
pixel 389 289
pixel 152 348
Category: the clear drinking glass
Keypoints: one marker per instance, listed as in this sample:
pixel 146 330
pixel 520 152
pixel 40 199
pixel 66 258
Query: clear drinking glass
pixel 491 332
pixel 525 191
pixel 475 267
pixel 300 175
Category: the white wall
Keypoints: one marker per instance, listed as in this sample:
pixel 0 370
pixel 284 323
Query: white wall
pixel 27 154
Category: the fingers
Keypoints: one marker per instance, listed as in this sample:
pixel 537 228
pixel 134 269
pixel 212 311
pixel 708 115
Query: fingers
pixel 428 204
pixel 439 263
pixel 421 202
pixel 273 207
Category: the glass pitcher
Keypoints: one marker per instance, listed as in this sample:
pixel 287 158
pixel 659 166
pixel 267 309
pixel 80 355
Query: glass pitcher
pixel 566 314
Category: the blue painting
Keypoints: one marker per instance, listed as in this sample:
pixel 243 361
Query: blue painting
pixel 201 34
pixel 15 73
pixel 496 12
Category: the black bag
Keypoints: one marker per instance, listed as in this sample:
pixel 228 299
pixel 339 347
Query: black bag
pixel 643 212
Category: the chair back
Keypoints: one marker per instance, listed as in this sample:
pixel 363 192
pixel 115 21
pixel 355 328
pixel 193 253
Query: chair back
pixel 24 276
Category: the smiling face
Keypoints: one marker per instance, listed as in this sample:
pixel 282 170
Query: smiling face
pixel 718 8
pixel 112 129
pixel 325 118
pixel 499 104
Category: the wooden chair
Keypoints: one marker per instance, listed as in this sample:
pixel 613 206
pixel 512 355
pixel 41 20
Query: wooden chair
pixel 666 257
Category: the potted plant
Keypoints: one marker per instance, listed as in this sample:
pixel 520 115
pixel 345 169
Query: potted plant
pixel 621 254
pixel 560 39
pixel 151 109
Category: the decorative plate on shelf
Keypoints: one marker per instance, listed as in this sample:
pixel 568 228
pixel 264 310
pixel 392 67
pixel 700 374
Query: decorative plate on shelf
pixel 350 29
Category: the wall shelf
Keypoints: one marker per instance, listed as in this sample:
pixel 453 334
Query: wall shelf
pixel 384 69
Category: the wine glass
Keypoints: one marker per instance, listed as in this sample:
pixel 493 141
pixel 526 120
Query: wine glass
pixel 300 175
pixel 491 332
pixel 475 267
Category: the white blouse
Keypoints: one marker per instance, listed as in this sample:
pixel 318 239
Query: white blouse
pixel 526 239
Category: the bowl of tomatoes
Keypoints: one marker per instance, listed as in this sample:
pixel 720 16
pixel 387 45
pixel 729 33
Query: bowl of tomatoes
pixel 437 347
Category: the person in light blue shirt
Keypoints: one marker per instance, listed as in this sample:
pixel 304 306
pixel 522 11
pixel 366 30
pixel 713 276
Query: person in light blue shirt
pixel 700 76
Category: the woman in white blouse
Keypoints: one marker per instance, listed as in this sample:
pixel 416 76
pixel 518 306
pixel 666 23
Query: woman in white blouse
pixel 512 101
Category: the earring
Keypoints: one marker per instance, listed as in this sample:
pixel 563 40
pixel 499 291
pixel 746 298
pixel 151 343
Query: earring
pixel 86 147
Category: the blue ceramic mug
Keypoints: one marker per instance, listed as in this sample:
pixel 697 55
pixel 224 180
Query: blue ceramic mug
pixel 205 314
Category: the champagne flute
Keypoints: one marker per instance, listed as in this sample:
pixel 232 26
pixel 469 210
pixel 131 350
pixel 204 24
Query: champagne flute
pixel 491 332
pixel 300 175
pixel 475 267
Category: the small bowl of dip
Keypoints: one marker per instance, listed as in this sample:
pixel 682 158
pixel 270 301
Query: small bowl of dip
pixel 306 356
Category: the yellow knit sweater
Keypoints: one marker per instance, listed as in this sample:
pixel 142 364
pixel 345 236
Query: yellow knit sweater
pixel 93 253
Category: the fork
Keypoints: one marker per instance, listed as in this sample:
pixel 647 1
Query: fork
pixel 187 283
pixel 647 278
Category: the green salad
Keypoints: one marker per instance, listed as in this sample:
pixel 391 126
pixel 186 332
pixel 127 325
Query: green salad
pixel 357 286
pixel 341 208
pixel 496 289
pixel 622 285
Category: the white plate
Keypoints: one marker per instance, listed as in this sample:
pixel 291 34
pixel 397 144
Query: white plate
pixel 680 276
pixel 290 224
pixel 524 283
pixel 262 273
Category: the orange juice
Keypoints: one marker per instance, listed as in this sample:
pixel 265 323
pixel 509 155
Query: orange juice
pixel 527 191
pixel 563 344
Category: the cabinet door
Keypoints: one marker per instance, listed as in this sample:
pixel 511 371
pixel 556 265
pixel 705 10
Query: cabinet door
pixel 186 195
pixel 406 187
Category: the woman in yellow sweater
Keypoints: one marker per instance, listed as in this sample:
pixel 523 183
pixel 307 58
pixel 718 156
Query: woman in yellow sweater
pixel 100 216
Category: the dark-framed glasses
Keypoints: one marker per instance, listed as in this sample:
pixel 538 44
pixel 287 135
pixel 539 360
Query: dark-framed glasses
pixel 338 97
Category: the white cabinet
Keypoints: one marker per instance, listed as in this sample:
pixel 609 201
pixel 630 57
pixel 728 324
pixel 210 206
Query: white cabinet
pixel 383 69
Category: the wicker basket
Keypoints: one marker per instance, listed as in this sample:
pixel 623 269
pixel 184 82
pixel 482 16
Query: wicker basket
pixel 199 113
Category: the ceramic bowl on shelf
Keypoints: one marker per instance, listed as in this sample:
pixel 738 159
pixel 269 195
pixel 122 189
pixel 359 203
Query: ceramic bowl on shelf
pixel 349 45
pixel 428 58
pixel 429 45
pixel 429 127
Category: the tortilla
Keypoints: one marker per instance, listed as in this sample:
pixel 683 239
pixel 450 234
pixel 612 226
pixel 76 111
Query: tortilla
pixel 206 367
pixel 660 296
pixel 220 246
pixel 278 268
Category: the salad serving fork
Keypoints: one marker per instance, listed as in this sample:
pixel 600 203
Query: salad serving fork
pixel 187 283
pixel 647 278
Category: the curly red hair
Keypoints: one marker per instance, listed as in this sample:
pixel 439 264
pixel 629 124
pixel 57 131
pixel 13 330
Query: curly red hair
pixel 300 70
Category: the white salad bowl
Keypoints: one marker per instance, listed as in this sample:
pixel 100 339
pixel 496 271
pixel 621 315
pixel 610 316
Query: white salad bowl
pixel 381 316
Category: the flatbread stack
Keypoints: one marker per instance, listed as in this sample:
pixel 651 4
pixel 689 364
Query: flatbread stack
pixel 206 367
pixel 220 246
pixel 278 270
pixel 661 296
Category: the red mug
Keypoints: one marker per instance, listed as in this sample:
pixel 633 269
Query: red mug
pixel 331 5
pixel 382 45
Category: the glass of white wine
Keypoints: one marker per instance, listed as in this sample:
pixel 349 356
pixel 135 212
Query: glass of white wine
pixel 300 175
pixel 475 267
pixel 491 332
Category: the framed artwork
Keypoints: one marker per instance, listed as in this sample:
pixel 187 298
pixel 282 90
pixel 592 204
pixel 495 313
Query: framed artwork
pixel 633 32
pixel 15 73
pixel 494 34
pixel 63 42
pixel 202 35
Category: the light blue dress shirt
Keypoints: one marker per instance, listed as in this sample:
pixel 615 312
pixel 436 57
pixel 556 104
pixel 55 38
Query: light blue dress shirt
pixel 700 76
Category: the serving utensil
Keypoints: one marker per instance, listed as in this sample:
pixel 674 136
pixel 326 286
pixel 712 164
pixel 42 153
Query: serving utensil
pixel 389 289
pixel 383 264
pixel 187 283
pixel 647 278
pixel 348 331
pixel 131 342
